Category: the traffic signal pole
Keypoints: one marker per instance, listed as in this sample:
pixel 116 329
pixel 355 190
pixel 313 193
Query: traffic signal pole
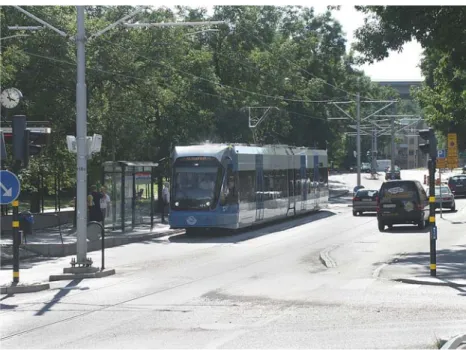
pixel 430 148
pixel 433 228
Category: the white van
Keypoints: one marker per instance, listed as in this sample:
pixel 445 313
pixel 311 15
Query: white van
pixel 383 164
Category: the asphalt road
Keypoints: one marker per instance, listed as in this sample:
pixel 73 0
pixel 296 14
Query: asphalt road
pixel 266 288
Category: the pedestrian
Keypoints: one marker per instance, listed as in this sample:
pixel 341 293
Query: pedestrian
pixel 165 199
pixel 104 204
pixel 95 213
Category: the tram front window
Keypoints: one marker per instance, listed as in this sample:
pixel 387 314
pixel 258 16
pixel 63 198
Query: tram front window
pixel 194 187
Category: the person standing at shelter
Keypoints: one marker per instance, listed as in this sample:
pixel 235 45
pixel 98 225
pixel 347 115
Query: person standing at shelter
pixel 165 199
pixel 95 213
pixel 104 204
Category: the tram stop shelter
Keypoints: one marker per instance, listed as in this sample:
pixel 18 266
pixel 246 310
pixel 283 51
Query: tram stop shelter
pixel 130 186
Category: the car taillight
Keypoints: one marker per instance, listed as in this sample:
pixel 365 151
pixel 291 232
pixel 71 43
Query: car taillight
pixel 356 199
pixel 378 203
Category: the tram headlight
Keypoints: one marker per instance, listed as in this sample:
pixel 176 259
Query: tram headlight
pixel 208 203
pixel 177 204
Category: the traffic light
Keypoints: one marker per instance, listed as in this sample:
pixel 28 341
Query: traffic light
pixel 430 147
pixel 24 141
pixel 19 128
pixel 29 148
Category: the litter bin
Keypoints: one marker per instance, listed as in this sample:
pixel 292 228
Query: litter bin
pixel 26 220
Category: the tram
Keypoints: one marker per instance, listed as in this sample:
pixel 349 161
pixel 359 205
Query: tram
pixel 225 186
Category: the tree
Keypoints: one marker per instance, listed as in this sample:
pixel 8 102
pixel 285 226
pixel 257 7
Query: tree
pixel 444 64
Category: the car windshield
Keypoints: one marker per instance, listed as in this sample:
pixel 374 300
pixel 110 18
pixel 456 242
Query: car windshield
pixel 458 179
pixel 444 190
pixel 366 193
pixel 398 189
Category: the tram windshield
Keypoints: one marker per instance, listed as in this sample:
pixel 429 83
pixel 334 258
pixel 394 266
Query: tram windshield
pixel 195 184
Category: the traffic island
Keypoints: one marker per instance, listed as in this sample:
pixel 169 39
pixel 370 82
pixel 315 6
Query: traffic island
pixel 15 288
pixel 74 273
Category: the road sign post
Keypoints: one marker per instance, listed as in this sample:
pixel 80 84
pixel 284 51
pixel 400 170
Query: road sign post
pixel 16 241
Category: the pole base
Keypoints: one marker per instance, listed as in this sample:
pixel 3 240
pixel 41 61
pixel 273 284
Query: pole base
pixel 81 274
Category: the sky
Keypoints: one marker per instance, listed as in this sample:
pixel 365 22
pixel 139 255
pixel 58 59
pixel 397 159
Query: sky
pixel 398 66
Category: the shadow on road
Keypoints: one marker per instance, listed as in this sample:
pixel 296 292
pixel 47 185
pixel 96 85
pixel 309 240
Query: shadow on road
pixel 56 299
pixel 245 234
pixel 451 265
pixel 29 264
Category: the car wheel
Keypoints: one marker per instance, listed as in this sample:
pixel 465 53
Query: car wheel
pixel 421 225
pixel 453 208
pixel 381 226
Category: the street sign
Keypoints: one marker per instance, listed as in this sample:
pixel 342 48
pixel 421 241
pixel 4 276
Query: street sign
pixel 10 187
pixel 452 158
pixel 441 153
pixel 441 163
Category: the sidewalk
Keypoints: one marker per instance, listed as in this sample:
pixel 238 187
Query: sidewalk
pixel 47 243
pixel 414 267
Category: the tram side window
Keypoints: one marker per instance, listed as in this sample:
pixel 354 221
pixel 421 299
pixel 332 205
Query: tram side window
pixel 247 182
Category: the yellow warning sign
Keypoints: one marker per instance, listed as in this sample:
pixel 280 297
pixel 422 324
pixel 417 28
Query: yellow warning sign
pixel 452 155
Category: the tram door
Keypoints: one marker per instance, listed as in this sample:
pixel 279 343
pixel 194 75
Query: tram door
pixel 316 180
pixel 291 186
pixel 259 187
pixel 302 179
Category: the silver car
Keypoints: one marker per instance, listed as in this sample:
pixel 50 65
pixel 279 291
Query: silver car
pixel 445 197
pixel 365 201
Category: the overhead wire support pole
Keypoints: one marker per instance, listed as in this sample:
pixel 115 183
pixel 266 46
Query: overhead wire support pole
pixel 115 24
pixel 62 33
pixel 173 24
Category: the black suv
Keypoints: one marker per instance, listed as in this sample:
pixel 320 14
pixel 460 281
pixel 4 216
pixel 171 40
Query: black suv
pixel 402 202
pixel 457 184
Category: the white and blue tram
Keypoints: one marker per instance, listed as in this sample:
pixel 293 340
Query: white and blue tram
pixel 233 186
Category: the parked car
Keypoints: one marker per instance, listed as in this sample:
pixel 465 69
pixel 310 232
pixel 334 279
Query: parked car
pixel 397 173
pixel 402 202
pixel 365 168
pixel 365 201
pixel 445 197
pixel 457 185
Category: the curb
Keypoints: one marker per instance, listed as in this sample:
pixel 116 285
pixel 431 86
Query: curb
pixel 325 258
pixel 78 276
pixel 429 283
pixel 61 250
pixel 25 289
pixel 454 342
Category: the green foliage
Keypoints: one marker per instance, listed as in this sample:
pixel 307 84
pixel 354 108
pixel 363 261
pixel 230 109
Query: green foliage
pixel 151 89
pixel 441 31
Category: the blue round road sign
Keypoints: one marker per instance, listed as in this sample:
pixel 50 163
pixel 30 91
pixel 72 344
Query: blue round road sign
pixel 10 187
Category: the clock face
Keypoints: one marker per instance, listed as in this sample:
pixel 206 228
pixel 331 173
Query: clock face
pixel 10 98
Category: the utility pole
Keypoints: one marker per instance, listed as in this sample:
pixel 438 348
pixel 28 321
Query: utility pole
pixel 392 143
pixel 358 137
pixel 81 139
pixel 81 110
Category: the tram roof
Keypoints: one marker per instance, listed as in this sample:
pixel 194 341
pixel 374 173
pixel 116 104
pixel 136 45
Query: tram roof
pixel 217 150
